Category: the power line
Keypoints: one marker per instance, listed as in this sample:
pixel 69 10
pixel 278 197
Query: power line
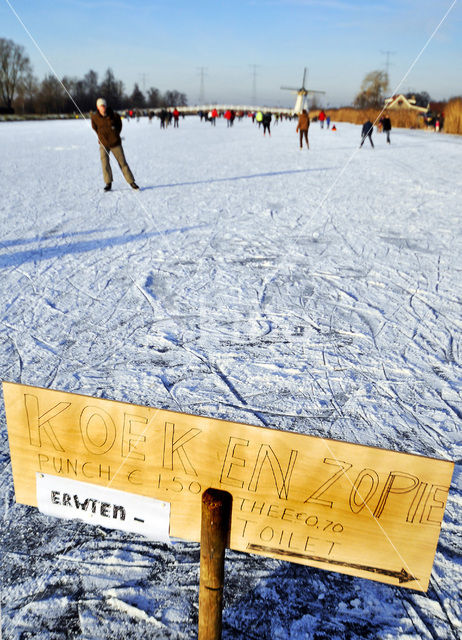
pixel 143 77
pixel 202 71
pixel 387 54
pixel 253 98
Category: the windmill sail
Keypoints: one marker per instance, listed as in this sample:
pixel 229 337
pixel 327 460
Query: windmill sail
pixel 302 93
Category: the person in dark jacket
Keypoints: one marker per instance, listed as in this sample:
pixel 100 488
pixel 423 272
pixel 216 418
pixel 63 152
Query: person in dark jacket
pixel 367 130
pixel 386 124
pixel 266 121
pixel 108 126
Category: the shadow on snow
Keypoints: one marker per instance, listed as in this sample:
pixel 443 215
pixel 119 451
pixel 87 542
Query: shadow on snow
pixel 269 174
pixel 18 258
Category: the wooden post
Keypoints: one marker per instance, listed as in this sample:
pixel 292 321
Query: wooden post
pixel 215 527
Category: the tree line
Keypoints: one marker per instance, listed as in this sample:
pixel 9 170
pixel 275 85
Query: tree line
pixel 22 92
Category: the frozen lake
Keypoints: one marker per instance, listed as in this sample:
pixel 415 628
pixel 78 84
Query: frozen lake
pixel 317 291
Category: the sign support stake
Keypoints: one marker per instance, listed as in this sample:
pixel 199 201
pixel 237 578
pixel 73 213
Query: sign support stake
pixel 215 528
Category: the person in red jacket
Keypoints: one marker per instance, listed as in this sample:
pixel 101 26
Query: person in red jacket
pixel 176 118
pixel 322 118
pixel 108 126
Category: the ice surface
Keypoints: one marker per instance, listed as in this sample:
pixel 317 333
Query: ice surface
pixel 315 291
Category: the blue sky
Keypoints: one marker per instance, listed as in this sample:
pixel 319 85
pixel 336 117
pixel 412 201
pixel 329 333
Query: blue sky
pixel 164 43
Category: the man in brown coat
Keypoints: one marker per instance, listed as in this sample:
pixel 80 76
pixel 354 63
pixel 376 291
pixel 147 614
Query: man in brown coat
pixel 108 126
pixel 303 126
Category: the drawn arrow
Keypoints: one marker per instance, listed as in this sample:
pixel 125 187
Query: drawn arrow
pixel 402 576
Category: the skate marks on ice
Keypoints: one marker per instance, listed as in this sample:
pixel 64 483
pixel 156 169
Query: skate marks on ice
pixel 103 585
pixel 354 334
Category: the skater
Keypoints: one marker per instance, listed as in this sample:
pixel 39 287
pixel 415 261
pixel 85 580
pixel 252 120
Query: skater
pixel 367 130
pixel 176 118
pixel 163 117
pixel 303 126
pixel 386 126
pixel 322 118
pixel 108 126
pixel 266 121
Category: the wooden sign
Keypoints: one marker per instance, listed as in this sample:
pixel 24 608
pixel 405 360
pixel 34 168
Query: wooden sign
pixel 338 506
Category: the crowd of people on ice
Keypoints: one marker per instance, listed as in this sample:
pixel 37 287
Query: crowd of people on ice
pixel 108 125
pixel 169 116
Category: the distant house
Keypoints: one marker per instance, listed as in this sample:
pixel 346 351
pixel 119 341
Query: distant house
pixel 401 102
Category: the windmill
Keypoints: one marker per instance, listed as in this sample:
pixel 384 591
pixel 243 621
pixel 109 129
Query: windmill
pixel 302 94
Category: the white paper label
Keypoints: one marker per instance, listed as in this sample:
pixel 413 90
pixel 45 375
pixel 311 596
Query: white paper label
pixel 71 499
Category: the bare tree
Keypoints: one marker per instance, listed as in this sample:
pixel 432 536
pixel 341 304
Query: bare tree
pixel 14 67
pixel 20 90
pixel 373 89
pixel 51 97
pixel 137 98
pixel 72 87
pixel 25 100
pixel 154 98
pixel 84 92
pixel 91 89
pixel 175 99
pixel 112 90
